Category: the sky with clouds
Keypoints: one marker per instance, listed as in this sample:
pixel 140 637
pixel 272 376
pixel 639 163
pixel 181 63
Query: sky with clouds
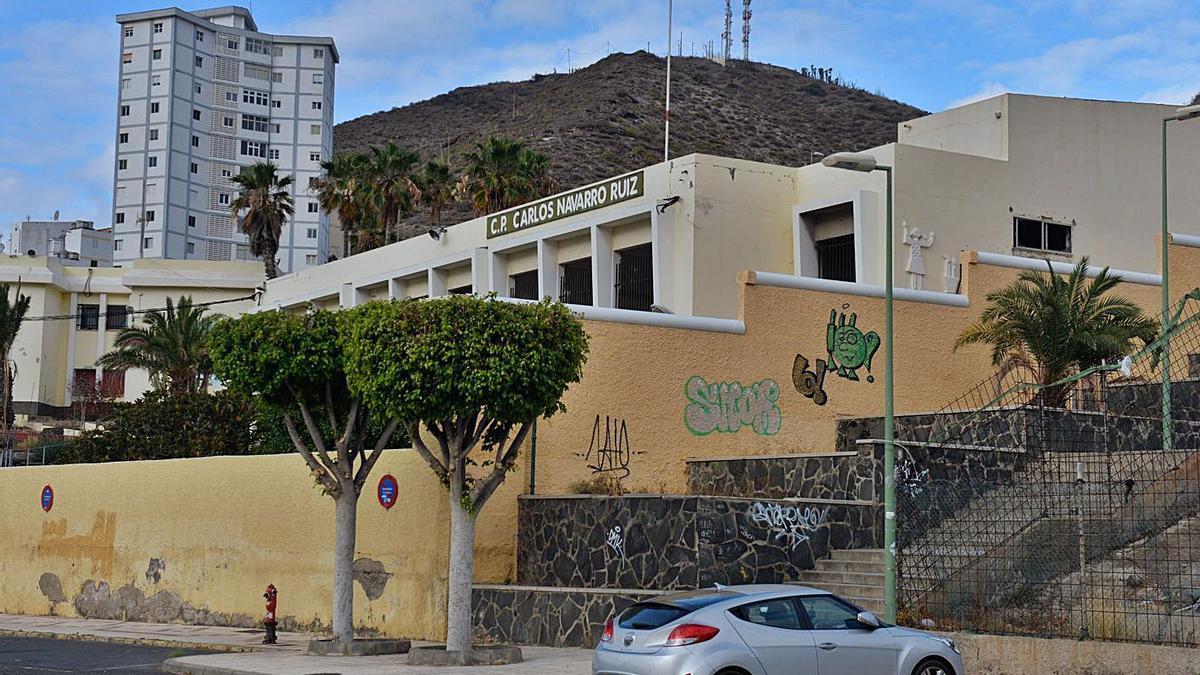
pixel 59 60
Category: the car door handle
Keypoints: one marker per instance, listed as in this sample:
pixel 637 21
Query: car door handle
pixel 827 646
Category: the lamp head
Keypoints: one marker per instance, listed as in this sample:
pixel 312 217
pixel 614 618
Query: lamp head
pixel 1186 113
pixel 436 233
pixel 852 161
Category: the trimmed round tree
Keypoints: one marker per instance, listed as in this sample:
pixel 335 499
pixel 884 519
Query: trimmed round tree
pixel 296 362
pixel 467 377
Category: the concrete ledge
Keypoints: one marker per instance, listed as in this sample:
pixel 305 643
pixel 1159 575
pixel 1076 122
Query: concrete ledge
pixel 479 655
pixel 1005 655
pixel 359 647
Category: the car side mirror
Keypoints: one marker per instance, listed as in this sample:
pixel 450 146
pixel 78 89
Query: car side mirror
pixel 868 620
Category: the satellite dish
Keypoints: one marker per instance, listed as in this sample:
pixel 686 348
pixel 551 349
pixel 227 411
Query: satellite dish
pixel 56 215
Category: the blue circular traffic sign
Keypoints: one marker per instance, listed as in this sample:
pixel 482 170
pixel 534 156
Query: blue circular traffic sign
pixel 47 498
pixel 388 490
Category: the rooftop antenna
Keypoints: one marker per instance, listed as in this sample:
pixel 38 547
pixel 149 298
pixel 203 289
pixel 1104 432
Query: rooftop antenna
pixel 727 36
pixel 746 30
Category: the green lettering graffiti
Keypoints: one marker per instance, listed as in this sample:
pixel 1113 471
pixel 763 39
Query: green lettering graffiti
pixel 728 406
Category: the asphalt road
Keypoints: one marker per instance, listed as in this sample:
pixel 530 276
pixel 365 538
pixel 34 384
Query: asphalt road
pixel 40 655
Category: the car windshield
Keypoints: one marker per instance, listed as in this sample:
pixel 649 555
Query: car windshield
pixel 668 608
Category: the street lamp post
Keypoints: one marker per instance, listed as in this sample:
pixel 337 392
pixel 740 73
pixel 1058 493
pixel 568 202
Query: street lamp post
pixel 866 163
pixel 1168 430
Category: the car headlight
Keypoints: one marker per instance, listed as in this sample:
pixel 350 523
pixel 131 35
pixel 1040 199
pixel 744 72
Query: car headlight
pixel 946 641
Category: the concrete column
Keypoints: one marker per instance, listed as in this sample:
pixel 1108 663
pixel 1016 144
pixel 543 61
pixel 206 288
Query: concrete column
pixel 662 245
pixel 437 282
pixel 602 266
pixel 548 269
pixel 101 332
pixel 72 328
pixel 481 280
pixel 498 274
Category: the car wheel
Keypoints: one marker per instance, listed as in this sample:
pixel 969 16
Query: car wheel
pixel 732 671
pixel 933 667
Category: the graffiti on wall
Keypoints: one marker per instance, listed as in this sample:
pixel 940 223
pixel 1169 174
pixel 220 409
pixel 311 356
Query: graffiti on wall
pixel 911 477
pixel 608 451
pixel 849 348
pixel 729 406
pixel 616 541
pixel 810 382
pixel 790 525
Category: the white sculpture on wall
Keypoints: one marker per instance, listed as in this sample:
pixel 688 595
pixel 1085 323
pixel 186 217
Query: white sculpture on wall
pixel 950 274
pixel 916 262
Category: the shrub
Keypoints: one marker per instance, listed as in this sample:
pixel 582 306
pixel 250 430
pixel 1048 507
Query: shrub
pixel 164 426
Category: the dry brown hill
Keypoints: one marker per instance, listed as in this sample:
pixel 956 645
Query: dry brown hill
pixel 607 118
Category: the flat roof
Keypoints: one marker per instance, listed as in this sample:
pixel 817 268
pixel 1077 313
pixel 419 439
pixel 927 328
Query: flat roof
pixel 202 17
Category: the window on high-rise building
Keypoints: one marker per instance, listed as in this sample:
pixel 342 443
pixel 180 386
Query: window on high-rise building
pixel 154 107
pixel 199 36
pixel 127 57
pixel 255 97
pixel 154 134
pixel 191 221
pixel 122 164
pixel 196 115
pixel 223 198
pixel 195 141
pixel 191 247
pixel 125 82
pixel 274 154
pixel 276 76
pixel 256 72
pixel 150 216
pixel 123 137
pixel 155 80
pixel 152 161
pixel 310 259
pixel 118 243
pixel 118 219
pixel 256 123
pixel 313 207
pixel 316 105
pixel 199 61
pixel 258 46
pixel 198 88
pixel 157 26
pixel 227 121
pixel 318 53
pixel 148 242
pixel 156 54
pixel 195 168
pixel 254 149
pixel 128 31
pixel 314 156
pixel 315 129
pixel 232 44
pixel 275 127
pixel 312 233
pixel 276 104
pixel 318 78
pixel 277 51
pixel 124 111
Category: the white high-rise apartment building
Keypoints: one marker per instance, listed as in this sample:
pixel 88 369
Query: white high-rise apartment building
pixel 203 94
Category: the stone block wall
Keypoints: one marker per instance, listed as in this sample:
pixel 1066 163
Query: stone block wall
pixel 682 542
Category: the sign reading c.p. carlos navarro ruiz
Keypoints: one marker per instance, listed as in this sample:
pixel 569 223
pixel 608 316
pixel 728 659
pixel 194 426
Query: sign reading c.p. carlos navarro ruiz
pixel 572 203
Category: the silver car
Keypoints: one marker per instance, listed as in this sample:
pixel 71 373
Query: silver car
pixel 767 629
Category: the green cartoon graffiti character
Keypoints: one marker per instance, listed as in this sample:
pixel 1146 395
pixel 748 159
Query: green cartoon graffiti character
pixel 849 348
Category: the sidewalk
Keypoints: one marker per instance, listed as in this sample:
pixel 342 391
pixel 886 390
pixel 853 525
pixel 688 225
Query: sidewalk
pixel 247 655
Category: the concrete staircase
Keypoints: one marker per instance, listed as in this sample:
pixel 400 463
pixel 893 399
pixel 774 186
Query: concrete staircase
pixel 854 574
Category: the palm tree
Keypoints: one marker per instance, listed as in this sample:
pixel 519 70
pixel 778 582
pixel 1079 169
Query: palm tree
pixel 389 174
pixel 435 185
pixel 344 190
pixel 1056 325
pixel 12 314
pixel 502 172
pixel 172 346
pixel 266 200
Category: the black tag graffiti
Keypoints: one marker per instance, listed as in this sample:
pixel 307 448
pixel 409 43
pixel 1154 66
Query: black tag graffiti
pixel 609 449
pixel 809 383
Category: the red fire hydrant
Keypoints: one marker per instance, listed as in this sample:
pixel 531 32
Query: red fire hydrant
pixel 269 622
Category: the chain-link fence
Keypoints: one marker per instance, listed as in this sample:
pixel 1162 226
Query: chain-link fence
pixel 1062 509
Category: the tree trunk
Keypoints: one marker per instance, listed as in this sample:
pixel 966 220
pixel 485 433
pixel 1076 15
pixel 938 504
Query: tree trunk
pixel 462 570
pixel 345 524
pixel 269 265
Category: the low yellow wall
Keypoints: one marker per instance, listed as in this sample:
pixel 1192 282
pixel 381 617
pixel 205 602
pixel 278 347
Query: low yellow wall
pixel 197 540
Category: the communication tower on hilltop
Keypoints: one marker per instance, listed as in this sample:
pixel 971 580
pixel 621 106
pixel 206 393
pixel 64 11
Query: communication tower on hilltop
pixel 727 36
pixel 746 30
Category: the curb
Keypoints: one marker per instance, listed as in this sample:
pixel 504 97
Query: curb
pixel 146 642
pixel 176 665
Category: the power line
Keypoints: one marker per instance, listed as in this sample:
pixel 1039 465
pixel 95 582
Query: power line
pixel 130 312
